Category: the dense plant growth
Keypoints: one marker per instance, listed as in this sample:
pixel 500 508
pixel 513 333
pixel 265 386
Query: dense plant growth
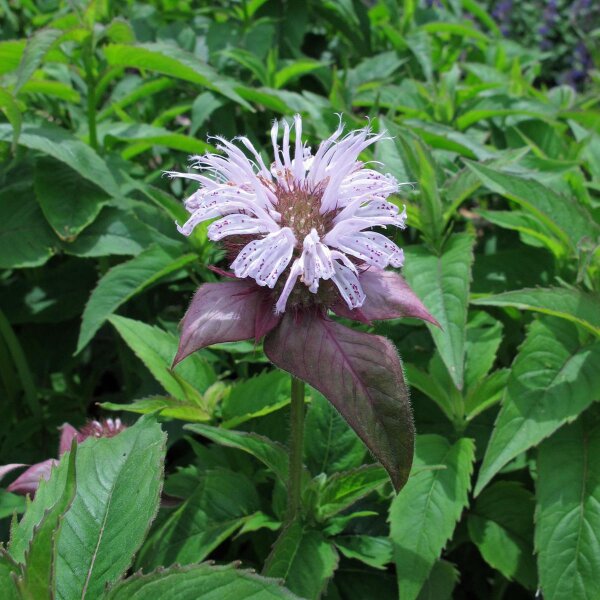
pixel 502 246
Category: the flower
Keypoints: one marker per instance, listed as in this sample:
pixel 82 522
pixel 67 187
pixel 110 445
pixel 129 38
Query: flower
pixel 308 217
pixel 300 241
pixel 29 480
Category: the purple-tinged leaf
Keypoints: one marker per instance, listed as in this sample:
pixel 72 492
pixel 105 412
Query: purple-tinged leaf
pixel 29 481
pixel 5 469
pixel 230 311
pixel 360 374
pixel 67 434
pixel 388 297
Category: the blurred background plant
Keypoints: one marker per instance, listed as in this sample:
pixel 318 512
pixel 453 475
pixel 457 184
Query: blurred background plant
pixel 502 140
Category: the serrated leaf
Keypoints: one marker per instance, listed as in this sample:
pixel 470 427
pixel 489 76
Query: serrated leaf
pixel 501 525
pixel 304 559
pixel 69 202
pixel 568 219
pixel 423 516
pixel 171 60
pixel 8 572
pixel 270 453
pixel 573 305
pixel 218 507
pixel 442 282
pixel 35 51
pixel 199 582
pixel 330 444
pixel 25 238
pixel 344 489
pixel 156 348
pixel 126 280
pixel 377 552
pixel 440 584
pixel 38 577
pixel 553 378
pixel 65 147
pixel 118 490
pixel 567 516
pixel 166 406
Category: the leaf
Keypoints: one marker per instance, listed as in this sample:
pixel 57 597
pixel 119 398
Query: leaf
pixel 69 202
pixel 440 584
pixel 10 108
pixel 423 517
pixel 442 283
pixel 572 305
pixel 35 51
pixel 25 238
pixel 10 504
pixel 568 219
pixel 126 280
pixel 501 525
pixel 360 374
pixel 199 582
pixel 296 68
pixel 170 60
pixel 330 444
pixel 66 148
pixel 8 572
pixel 38 576
pixel 344 489
pixel 10 54
pixel 486 393
pixel 567 518
pixel 553 378
pixel 221 503
pixel 484 335
pixel 114 232
pixel 155 348
pixel 255 397
pixel 118 490
pixel 373 551
pixel 229 311
pixel 270 453
pixel 166 406
pixel 304 559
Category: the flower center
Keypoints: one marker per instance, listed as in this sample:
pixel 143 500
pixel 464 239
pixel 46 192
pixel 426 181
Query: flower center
pixel 299 210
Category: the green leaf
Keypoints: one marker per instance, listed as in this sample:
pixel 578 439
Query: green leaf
pixel 69 202
pixel 484 335
pixel 166 406
pixel 255 397
pixel 156 349
pixel 10 504
pixel 330 444
pixel 118 490
pixel 297 68
pixel 38 576
pixel 10 108
pixel 423 516
pixel 126 280
pixel 344 489
pixel 563 215
pixel 66 148
pixel 10 54
pixel 114 232
pixel 440 584
pixel 270 453
pixel 8 572
pixel 485 393
pixel 501 525
pixel 199 582
pixel 218 507
pixel 304 559
pixel 25 238
pixel 35 51
pixel 377 552
pixel 572 305
pixel 567 517
pixel 554 377
pixel 171 60
pixel 442 283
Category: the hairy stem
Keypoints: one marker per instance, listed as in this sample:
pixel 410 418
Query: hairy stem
pixel 295 449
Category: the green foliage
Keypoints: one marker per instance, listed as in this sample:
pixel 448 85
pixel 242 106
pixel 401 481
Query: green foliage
pixel 502 172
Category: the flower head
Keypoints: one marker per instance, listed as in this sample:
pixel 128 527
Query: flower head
pixel 304 220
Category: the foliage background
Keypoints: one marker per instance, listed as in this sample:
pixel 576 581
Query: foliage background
pixel 99 99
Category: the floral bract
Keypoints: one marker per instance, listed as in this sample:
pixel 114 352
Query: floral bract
pixel 300 241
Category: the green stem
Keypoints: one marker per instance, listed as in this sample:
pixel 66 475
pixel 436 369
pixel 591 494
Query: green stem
pixel 296 447
pixel 20 362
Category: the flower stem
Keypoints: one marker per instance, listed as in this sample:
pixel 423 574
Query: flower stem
pixel 295 448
